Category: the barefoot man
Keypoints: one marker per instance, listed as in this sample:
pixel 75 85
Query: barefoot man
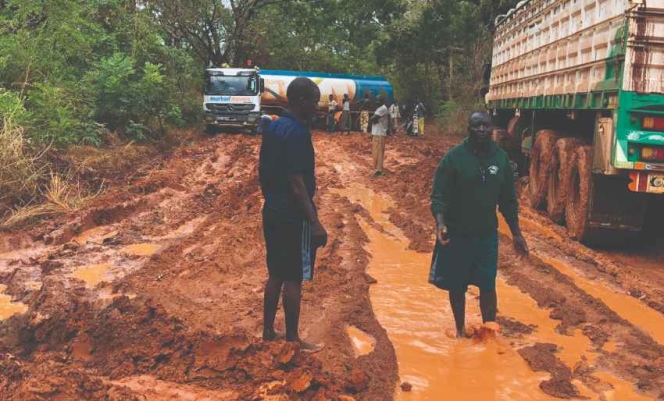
pixel 471 180
pixel 290 221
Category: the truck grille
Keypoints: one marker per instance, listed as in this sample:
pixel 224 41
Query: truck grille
pixel 229 107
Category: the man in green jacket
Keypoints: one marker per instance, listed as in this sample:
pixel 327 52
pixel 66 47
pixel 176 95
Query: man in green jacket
pixel 471 180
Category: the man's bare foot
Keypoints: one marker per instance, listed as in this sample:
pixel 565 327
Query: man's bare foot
pixel 273 335
pixel 310 348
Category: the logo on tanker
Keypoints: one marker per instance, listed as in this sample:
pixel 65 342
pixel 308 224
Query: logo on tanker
pixel 232 99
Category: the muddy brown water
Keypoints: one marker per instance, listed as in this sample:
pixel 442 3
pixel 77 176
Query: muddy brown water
pixel 7 307
pixel 419 322
pixel 627 307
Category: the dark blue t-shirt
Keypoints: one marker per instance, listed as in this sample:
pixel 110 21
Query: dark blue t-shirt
pixel 287 149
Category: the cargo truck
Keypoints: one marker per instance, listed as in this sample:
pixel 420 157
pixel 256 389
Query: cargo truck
pixel 236 97
pixel 577 93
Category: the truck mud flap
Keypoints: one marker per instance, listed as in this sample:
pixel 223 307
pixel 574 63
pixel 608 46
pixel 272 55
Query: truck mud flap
pixel 616 214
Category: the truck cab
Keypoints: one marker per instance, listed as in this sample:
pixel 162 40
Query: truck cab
pixel 232 98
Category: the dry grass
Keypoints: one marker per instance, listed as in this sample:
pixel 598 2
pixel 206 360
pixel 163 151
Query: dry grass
pixel 21 171
pixel 29 185
pixel 62 194
pixel 107 162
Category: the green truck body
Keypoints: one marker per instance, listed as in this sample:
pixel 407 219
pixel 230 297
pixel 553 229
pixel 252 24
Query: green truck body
pixel 570 74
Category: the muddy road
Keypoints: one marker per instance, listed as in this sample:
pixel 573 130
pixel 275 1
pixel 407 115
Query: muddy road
pixel 153 291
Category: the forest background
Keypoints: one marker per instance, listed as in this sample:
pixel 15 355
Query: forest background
pixel 82 82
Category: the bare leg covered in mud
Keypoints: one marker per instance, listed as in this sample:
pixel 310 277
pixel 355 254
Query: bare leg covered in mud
pixel 458 303
pixel 488 307
pixel 270 305
pixel 292 297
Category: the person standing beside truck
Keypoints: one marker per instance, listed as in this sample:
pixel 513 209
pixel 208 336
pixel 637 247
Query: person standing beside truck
pixel 394 117
pixel 420 112
pixel 331 110
pixel 291 226
pixel 471 180
pixel 365 106
pixel 380 122
pixel 345 115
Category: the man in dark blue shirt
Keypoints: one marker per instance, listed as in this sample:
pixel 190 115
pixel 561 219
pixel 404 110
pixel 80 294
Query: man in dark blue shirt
pixel 291 226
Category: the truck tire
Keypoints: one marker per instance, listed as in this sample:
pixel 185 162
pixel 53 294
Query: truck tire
pixel 579 191
pixel 541 161
pixel 561 174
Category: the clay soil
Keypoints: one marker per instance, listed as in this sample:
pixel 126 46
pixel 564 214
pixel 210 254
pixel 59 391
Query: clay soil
pixel 153 291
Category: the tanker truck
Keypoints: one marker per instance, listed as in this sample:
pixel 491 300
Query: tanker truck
pixel 577 93
pixel 237 97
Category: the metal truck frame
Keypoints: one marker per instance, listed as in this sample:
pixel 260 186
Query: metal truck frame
pixel 578 87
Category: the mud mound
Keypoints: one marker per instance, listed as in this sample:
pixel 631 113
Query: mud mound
pixel 541 358
pixel 20 380
pixel 134 337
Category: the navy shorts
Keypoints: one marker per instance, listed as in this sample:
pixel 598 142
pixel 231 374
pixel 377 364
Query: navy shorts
pixel 290 256
pixel 466 260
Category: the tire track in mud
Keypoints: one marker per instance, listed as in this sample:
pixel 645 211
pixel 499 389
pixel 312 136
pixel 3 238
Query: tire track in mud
pixel 633 354
pixel 188 309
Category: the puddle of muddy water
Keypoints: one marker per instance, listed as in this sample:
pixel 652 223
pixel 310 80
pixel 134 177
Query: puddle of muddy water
pixel 627 307
pixel 95 235
pixel 416 315
pixel 9 308
pixel 141 249
pixel 363 343
pixel 622 390
pixel 92 275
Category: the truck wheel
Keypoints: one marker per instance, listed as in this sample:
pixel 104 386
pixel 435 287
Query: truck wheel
pixel 541 166
pixel 577 202
pixel 561 171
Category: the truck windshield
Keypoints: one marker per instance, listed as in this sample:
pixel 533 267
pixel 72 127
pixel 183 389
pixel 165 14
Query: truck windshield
pixel 231 86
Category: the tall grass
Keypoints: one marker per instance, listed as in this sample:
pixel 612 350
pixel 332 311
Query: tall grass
pixel 21 170
pixel 30 186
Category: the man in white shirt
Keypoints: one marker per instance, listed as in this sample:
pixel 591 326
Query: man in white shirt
pixel 380 120
pixel 394 117
pixel 331 110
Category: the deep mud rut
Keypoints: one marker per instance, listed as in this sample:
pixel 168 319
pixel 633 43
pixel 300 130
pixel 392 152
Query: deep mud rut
pixel 154 292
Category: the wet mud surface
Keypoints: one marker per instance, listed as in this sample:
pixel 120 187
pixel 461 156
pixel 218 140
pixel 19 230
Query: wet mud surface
pixel 153 291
